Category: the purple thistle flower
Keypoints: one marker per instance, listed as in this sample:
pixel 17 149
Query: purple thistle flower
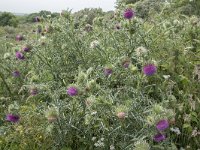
pixel 26 48
pixel 16 73
pixel 12 118
pixel 159 137
pixel 162 125
pixel 37 19
pixel 19 38
pixel 149 69
pixel 129 13
pixel 72 91
pixel 126 63
pixel 34 91
pixel 108 71
pixel 19 55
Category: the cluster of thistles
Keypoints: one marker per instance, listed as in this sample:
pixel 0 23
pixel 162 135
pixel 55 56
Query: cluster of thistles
pixel 161 126
pixel 148 70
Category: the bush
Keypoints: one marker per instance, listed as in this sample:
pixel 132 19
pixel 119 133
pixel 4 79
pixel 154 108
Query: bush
pixel 8 19
pixel 88 15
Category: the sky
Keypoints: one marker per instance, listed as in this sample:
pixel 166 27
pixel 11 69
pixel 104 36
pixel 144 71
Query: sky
pixel 30 6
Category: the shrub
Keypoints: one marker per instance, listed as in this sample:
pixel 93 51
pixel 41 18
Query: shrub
pixel 8 19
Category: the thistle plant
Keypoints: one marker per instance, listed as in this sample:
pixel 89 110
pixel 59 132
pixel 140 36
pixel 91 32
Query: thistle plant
pixel 120 83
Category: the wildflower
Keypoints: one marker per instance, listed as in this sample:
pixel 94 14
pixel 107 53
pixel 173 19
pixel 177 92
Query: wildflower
pixel 176 130
pixel 112 147
pixel 90 101
pixel 149 69
pixel 162 125
pixel 126 63
pixel 33 91
pixel 141 51
pixel 129 13
pixel 187 117
pixel 159 137
pixel 19 55
pixel 12 118
pixel 176 22
pixel 121 115
pixel 52 115
pixel 133 68
pixel 37 19
pixel 94 113
pixel 150 120
pixel 166 77
pixel 108 71
pixel 16 73
pixel 94 44
pixel 19 38
pixel 26 48
pixel 94 138
pixel 72 91
pixel 42 40
pixel 158 109
pixel 141 145
pixel 195 132
pixel 99 143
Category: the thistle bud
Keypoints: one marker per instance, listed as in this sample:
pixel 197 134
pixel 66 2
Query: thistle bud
pixel 52 115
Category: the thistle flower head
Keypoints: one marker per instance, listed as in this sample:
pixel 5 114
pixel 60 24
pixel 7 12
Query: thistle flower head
pixel 176 130
pixel 51 114
pixel 12 118
pixel 159 137
pixel 121 115
pixel 37 19
pixel 33 91
pixel 19 55
pixel 72 91
pixel 19 38
pixel 16 73
pixel 90 101
pixel 140 51
pixel 126 63
pixel 121 111
pixel 94 44
pixel 149 69
pixel 141 145
pixel 162 125
pixel 129 13
pixel 108 71
pixel 26 48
